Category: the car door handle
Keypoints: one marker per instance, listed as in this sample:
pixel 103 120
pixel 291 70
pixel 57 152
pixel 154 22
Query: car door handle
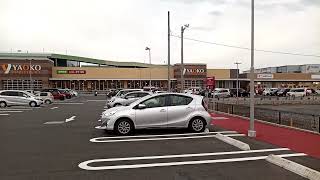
pixel 162 110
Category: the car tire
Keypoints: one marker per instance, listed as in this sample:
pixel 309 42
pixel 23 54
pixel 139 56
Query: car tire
pixel 197 124
pixel 3 104
pixel 123 127
pixel 47 101
pixel 33 104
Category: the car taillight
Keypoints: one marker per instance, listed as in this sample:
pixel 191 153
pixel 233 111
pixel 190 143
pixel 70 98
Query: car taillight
pixel 205 105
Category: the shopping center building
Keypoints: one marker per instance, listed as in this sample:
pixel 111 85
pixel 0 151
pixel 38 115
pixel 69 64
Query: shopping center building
pixel 42 70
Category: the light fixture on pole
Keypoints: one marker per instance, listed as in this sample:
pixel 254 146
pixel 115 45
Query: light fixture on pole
pixel 251 131
pixel 148 49
pixel 237 63
pixel 184 27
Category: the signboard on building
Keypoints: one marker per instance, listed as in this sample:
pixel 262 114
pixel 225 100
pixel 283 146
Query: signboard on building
pixel 71 71
pixel 265 76
pixel 315 76
pixel 315 68
pixel 211 82
pixel 20 68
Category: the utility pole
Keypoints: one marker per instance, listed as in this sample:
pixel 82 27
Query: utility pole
pixel 30 77
pixel 148 49
pixel 169 82
pixel 237 63
pixel 251 131
pixel 184 27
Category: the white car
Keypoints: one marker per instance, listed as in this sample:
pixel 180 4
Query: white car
pixel 46 97
pixel 123 92
pixel 164 110
pixel 269 91
pixel 297 92
pixel 16 97
pixel 221 92
pixel 127 98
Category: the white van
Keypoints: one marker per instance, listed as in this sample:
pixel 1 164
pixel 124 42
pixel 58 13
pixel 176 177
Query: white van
pixel 16 97
pixel 221 92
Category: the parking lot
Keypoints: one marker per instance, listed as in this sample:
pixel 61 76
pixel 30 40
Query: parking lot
pixel 60 141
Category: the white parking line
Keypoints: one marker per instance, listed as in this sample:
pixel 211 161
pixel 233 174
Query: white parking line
pixel 15 109
pixel 4 114
pixel 11 111
pixel 156 139
pixel 54 122
pixel 162 135
pixel 189 155
pixel 97 100
pixel 54 107
pixel 85 166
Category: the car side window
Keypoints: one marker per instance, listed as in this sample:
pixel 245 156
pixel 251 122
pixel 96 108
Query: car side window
pixel 12 93
pixel 4 93
pixel 43 94
pixel 143 94
pixel 176 100
pixel 159 101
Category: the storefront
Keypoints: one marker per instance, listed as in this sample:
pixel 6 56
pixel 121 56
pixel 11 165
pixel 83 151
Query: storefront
pixel 25 74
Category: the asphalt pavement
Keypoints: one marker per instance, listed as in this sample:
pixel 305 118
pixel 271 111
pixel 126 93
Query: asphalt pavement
pixel 59 141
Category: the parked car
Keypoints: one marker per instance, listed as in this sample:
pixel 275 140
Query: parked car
pixel 221 92
pixel 193 90
pixel 128 98
pixel 66 92
pixel 157 92
pixel 16 97
pixel 241 92
pixel 318 91
pixel 297 92
pixel 166 110
pixel 46 97
pixel 283 92
pixel 123 92
pixel 56 93
pixel 310 91
pixel 269 91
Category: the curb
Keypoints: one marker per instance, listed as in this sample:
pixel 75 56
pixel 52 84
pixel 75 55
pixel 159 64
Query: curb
pixel 294 167
pixel 266 122
pixel 234 142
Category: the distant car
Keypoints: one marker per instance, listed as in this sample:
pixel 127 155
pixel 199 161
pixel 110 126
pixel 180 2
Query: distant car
pixel 66 92
pixel 128 98
pixel 269 91
pixel 157 92
pixel 193 90
pixel 164 110
pixel 297 92
pixel 283 92
pixel 318 91
pixel 221 93
pixel 310 91
pixel 16 97
pixel 241 92
pixel 123 92
pixel 56 93
pixel 47 97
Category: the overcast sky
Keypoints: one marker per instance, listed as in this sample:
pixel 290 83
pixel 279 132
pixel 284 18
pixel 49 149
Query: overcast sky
pixel 121 29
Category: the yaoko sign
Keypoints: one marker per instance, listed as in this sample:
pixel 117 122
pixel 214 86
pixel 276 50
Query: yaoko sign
pixel 20 68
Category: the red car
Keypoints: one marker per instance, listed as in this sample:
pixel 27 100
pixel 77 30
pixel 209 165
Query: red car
pixel 56 94
pixel 66 93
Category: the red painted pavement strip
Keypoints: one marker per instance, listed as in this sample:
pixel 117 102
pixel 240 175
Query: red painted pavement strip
pixel 296 140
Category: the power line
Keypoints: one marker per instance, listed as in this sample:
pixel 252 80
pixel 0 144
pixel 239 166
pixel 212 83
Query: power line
pixel 245 48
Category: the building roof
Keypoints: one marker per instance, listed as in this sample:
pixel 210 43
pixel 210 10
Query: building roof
pixel 53 56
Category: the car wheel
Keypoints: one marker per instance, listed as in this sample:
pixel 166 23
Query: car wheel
pixel 47 101
pixel 123 127
pixel 3 104
pixel 33 104
pixel 197 125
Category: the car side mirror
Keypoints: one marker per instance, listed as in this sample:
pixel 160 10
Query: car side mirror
pixel 141 106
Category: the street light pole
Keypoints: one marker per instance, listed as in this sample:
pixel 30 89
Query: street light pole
pixel 184 27
pixel 251 131
pixel 30 76
pixel 169 81
pixel 148 49
pixel 237 63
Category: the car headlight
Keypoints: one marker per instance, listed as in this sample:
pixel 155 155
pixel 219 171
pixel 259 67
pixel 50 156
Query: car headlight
pixel 106 114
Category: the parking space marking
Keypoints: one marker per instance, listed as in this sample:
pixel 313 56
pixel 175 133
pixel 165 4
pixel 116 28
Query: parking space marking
pixel 11 111
pixel 70 119
pixel 20 109
pixel 54 107
pixel 98 100
pixel 155 139
pixel 162 135
pixel 85 166
pixel 54 122
pixel 4 114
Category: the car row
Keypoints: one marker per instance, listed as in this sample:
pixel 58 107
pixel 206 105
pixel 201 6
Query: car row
pixel 293 92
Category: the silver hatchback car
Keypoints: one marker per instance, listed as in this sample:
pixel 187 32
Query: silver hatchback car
pixel 165 110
